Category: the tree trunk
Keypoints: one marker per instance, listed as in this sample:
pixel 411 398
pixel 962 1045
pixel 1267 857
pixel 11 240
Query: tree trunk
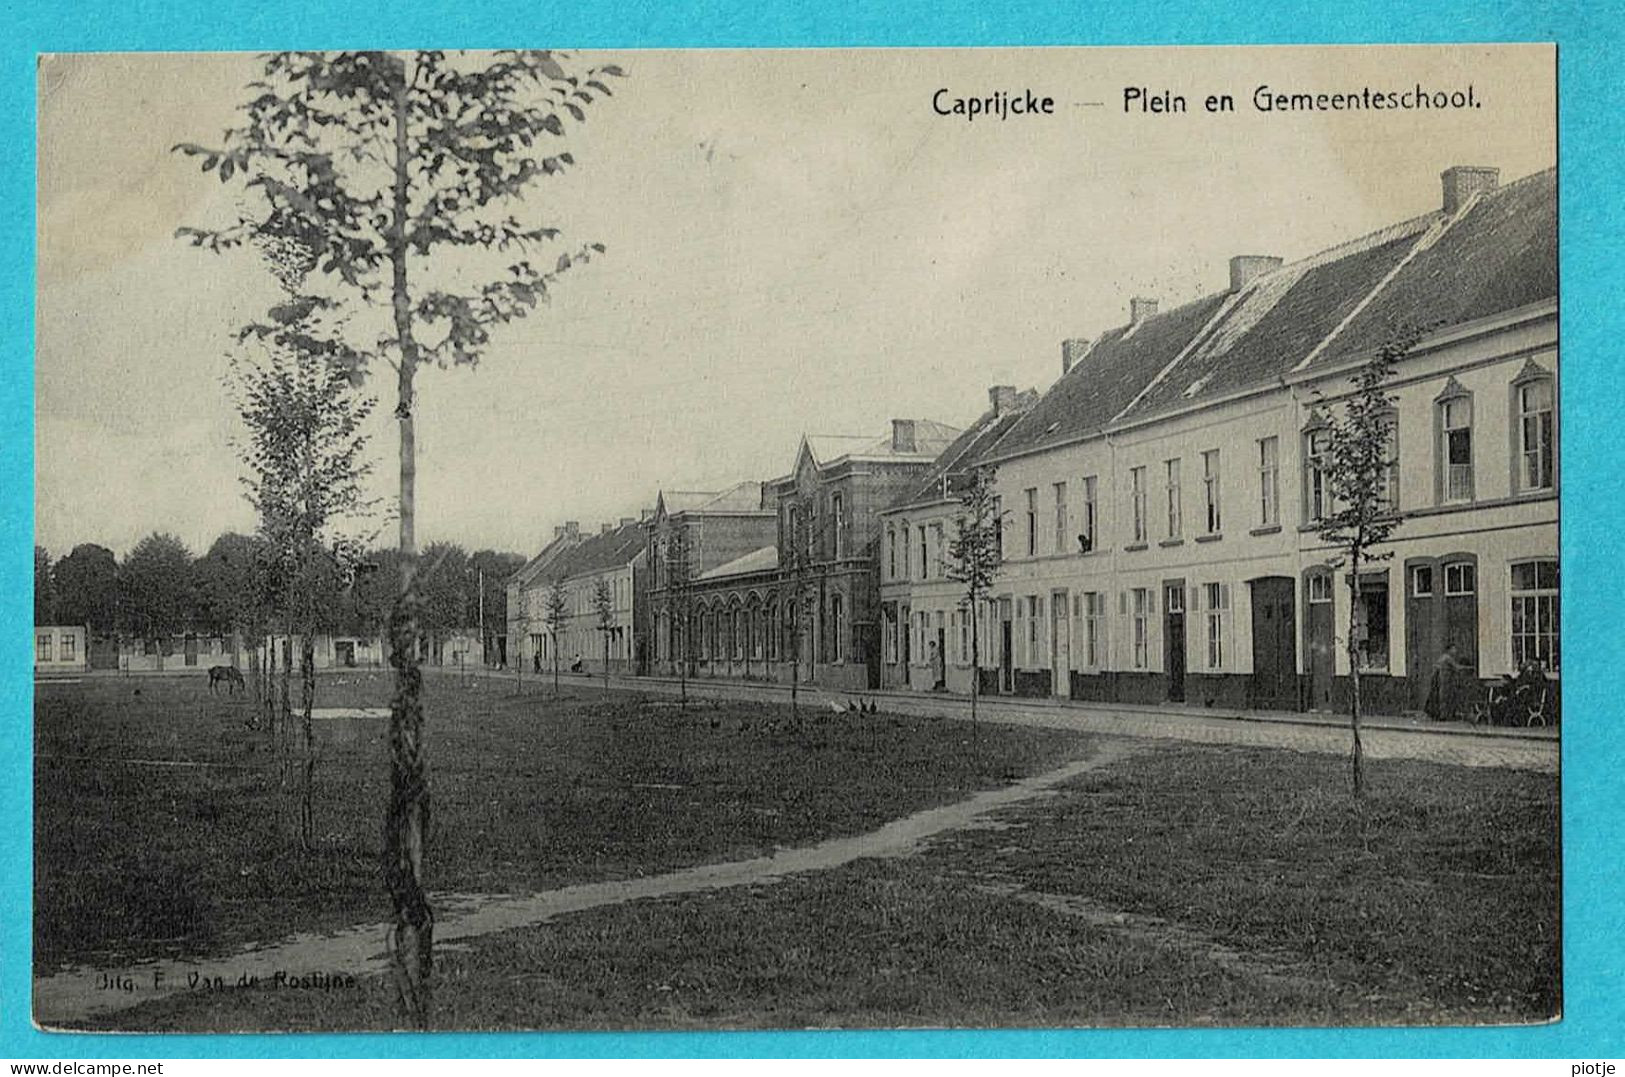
pixel 411 941
pixel 307 702
pixel 1357 760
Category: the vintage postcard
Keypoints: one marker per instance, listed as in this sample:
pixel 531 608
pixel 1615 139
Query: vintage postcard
pixel 768 539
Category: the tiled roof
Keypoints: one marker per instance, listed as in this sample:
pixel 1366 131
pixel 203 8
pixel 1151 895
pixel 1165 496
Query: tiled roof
pixel 1499 256
pixel 965 451
pixel 607 549
pixel 1107 377
pixel 756 561
pixel 1277 321
pixel 535 565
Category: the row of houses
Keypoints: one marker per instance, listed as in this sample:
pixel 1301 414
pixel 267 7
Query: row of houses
pixel 1159 501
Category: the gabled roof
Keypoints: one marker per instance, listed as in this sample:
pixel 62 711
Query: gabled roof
pixel 1275 322
pixel 760 560
pixel 930 439
pixel 966 451
pixel 741 497
pixel 1107 377
pixel 1498 256
pixel 532 568
pixel 614 548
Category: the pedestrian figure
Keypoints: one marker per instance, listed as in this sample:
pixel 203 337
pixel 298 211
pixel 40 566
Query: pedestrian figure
pixel 1444 693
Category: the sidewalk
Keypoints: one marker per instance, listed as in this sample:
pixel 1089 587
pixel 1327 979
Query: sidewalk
pixel 707 686
pixel 1383 738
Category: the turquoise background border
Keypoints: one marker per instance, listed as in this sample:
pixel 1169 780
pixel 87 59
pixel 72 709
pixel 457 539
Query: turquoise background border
pixel 1592 96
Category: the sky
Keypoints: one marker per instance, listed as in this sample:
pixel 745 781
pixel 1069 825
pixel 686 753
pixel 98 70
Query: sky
pixel 796 242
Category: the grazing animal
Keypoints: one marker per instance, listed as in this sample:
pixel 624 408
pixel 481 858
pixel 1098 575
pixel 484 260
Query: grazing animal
pixel 230 674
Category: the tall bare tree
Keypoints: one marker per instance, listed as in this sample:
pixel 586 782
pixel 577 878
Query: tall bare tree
pixel 558 608
pixel 369 166
pixel 974 557
pixel 679 604
pixel 603 606
pixel 1356 461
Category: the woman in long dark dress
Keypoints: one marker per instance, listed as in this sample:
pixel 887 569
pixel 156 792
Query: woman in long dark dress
pixel 1444 693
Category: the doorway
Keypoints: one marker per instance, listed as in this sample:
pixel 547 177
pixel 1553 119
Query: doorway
pixel 1007 668
pixel 1319 638
pixel 1275 644
pixel 1173 625
pixel 1060 646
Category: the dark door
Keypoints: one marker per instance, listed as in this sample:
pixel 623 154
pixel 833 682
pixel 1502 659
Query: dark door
pixel 1275 644
pixel 1422 645
pixel 1173 625
pixel 1461 610
pixel 941 672
pixel 344 653
pixel 1318 631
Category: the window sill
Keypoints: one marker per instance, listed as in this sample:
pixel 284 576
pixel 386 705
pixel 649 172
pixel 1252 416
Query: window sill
pixel 1135 547
pixel 1272 529
pixel 1171 542
pixel 1214 537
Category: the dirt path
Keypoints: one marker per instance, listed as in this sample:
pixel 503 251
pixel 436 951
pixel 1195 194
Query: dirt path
pixel 80 993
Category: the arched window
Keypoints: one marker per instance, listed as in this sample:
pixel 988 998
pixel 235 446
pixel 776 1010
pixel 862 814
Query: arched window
pixel 1317 498
pixel 1534 430
pixel 1453 444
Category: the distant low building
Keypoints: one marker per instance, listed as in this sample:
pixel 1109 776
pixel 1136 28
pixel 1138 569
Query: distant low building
pixel 61 648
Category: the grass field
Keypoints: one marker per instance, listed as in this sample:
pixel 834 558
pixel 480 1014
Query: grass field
pixel 136 856
pixel 1181 886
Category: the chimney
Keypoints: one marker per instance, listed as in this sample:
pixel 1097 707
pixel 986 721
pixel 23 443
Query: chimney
pixel 1246 268
pixel 1140 308
pixel 1464 181
pixel 1071 352
pixel 558 531
pixel 645 514
pixel 605 528
pixel 627 520
pixel 902 435
pixel 1002 398
pixel 572 529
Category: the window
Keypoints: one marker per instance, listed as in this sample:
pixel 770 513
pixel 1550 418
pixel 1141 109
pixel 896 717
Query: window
pixel 1422 581
pixel 925 565
pixel 891 552
pixel 888 635
pixel 1317 498
pixel 1035 621
pixel 68 647
pixel 1210 490
pixel 1136 478
pixel 936 543
pixel 998 524
pixel 837 616
pixel 1535 467
pixel 1094 623
pixel 1388 495
pixel 837 512
pixel 1142 614
pixel 1535 615
pixel 1459 579
pixel 1086 540
pixel 1032 520
pixel 1269 482
pixel 1216 598
pixel 1172 469
pixel 1060 517
pixel 42 647
pixel 962 628
pixel 1320 588
pixel 1456 447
